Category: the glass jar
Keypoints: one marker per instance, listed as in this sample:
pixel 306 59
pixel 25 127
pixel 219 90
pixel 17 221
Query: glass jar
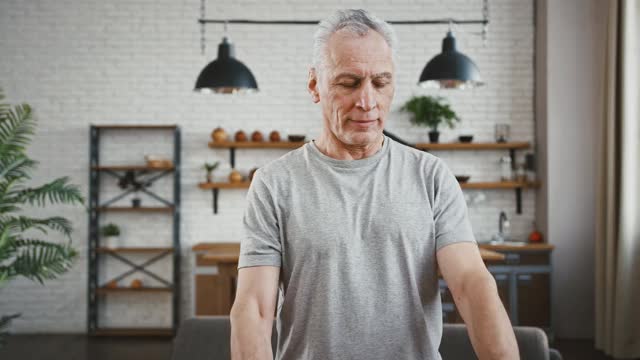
pixel 502 133
pixel 505 169
pixel 521 174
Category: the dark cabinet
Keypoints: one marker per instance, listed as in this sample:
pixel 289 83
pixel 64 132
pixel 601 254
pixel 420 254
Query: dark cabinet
pixel 534 300
pixel 523 279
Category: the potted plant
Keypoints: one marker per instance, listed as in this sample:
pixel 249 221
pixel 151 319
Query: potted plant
pixel 111 235
pixel 209 167
pixel 430 111
pixel 25 246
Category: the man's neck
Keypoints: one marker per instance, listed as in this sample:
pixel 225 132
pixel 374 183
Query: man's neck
pixel 330 146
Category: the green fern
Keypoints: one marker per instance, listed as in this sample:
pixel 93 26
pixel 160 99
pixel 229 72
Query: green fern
pixel 34 259
pixel 40 260
pixel 16 128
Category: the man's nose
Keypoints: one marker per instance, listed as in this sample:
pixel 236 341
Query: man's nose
pixel 366 98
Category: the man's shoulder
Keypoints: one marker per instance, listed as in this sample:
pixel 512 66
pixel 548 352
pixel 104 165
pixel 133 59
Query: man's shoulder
pixel 282 167
pixel 407 153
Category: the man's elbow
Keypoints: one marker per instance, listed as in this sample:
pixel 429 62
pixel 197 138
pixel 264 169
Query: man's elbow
pixel 244 314
pixel 477 283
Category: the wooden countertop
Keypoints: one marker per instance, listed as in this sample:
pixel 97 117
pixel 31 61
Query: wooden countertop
pixel 229 252
pixel 490 255
pixel 524 247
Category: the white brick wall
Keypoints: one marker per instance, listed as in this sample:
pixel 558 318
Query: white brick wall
pixel 80 62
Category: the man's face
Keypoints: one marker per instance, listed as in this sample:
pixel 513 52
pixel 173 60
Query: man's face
pixel 355 87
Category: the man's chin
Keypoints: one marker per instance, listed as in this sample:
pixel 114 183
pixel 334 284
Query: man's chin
pixel 363 138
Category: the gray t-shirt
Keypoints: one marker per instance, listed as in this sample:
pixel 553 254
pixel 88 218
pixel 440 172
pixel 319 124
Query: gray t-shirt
pixel 356 244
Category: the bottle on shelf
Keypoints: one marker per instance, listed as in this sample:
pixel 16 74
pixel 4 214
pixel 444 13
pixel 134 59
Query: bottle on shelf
pixel 530 161
pixel 535 236
pixel 505 169
pixel 521 174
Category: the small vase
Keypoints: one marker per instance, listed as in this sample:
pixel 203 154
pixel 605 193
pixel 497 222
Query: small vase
pixel 209 178
pixel 433 136
pixel 112 242
pixel 135 202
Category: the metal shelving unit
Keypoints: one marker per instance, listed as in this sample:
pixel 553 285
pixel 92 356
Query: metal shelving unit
pixel 144 175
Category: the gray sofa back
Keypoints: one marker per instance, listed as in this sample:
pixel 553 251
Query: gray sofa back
pixel 209 338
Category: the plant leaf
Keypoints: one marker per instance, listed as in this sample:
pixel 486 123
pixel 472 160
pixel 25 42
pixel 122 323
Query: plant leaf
pixel 57 191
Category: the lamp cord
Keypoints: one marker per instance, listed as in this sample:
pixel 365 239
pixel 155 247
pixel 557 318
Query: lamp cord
pixel 202 26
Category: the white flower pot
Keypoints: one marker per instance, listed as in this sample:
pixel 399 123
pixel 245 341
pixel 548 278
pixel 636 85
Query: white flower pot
pixel 111 241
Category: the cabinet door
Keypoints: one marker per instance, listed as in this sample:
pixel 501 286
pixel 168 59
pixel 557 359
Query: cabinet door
pixel 502 281
pixel 534 300
pixel 211 297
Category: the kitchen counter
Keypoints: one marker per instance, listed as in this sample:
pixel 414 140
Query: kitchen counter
pixel 215 275
pixel 518 247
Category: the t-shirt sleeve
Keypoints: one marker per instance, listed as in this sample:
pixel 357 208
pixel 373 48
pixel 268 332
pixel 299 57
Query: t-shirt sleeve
pixel 260 245
pixel 450 214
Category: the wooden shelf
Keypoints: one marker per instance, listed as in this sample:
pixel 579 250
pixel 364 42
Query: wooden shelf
pixel 468 185
pixel 518 186
pixel 132 168
pixel 224 185
pixel 473 146
pixel 104 290
pixel 139 250
pixel 136 126
pixel 524 247
pixel 255 144
pixel 136 177
pixel 500 185
pixel 133 332
pixel 511 146
pixel 135 209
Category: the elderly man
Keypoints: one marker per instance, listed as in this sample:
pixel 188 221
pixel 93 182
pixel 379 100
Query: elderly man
pixel 353 227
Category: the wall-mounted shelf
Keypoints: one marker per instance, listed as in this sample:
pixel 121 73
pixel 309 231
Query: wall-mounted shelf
pixel 500 185
pixel 256 144
pixel 518 186
pixel 511 146
pixel 453 146
pixel 473 146
pixel 233 145
pixel 468 185
pixel 215 186
pixel 224 185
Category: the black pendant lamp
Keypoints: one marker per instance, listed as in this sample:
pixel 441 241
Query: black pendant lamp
pixel 226 75
pixel 450 69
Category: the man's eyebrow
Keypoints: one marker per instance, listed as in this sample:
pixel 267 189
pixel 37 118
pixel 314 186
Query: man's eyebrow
pixel 385 75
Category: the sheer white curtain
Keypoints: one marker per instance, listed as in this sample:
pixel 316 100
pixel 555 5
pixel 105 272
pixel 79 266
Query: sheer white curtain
pixel 618 189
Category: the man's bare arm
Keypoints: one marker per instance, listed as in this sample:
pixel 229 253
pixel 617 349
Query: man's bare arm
pixel 475 293
pixel 253 312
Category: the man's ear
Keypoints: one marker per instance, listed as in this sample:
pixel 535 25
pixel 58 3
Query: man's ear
pixel 312 85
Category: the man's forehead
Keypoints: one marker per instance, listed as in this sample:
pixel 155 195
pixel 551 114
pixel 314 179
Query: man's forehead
pixel 359 55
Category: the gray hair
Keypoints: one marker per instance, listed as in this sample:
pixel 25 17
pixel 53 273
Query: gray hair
pixel 358 22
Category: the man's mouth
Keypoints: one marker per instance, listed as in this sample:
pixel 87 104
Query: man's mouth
pixel 365 121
